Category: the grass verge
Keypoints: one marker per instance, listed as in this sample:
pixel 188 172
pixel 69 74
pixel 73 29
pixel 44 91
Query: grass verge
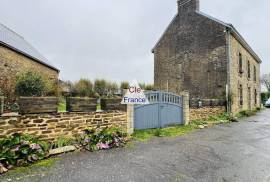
pixel 32 169
pixel 145 135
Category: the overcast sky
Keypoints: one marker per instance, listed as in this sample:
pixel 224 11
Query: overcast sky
pixel 113 39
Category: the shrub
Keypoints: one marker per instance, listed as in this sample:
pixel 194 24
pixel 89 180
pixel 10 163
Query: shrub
pixel 246 113
pixel 18 150
pixel 30 84
pixel 100 87
pixel 62 142
pixel 265 96
pixel 102 138
pixel 11 107
pixel 83 88
pixel 112 88
pixel 124 85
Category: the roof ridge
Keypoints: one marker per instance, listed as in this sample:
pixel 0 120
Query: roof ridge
pixel 11 30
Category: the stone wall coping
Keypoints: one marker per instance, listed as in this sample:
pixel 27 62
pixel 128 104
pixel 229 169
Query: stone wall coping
pixel 23 97
pixel 16 115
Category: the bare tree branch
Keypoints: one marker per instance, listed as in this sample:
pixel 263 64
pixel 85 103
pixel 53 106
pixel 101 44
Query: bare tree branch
pixel 265 80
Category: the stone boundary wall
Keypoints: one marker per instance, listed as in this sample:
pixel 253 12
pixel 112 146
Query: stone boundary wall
pixel 205 112
pixel 52 126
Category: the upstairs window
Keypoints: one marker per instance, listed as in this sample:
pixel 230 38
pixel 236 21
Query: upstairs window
pixel 240 63
pixel 248 68
pixel 255 74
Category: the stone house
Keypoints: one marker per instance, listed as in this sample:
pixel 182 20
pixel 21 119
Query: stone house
pixel 18 56
pixel 207 57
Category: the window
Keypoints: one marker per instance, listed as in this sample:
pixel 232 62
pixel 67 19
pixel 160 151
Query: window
pixel 255 97
pixel 255 74
pixel 240 63
pixel 248 68
pixel 240 95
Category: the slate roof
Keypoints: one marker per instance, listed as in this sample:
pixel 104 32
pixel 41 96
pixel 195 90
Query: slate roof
pixel 14 41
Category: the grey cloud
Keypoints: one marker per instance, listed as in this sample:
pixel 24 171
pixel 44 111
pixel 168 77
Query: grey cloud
pixel 113 38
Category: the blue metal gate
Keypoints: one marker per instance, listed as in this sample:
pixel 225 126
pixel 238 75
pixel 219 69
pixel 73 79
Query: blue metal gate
pixel 164 109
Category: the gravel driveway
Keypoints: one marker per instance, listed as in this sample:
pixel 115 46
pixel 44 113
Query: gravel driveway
pixel 225 153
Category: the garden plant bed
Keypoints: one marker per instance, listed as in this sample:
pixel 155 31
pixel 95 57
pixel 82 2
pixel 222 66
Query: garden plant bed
pixel 22 150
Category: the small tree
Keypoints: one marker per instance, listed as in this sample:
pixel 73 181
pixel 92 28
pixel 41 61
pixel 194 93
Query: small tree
pixel 265 80
pixel 112 88
pixel 142 85
pixel 149 87
pixel 124 85
pixel 83 88
pixel 30 84
pixel 100 87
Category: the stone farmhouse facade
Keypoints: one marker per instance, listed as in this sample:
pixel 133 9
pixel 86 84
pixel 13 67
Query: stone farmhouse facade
pixel 207 57
pixel 18 56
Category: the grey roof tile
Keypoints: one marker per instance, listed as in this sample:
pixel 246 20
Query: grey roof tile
pixel 16 42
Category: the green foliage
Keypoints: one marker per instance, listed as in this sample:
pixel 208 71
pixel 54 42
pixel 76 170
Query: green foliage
pixel 83 88
pixel 112 88
pixel 149 87
pixel 18 150
pixel 145 86
pixel 246 113
pixel 63 141
pixel 100 87
pixel 265 96
pixel 11 107
pixel 30 84
pixel 102 138
pixel 124 85
pixel 145 135
pixel 1 93
pixel 62 105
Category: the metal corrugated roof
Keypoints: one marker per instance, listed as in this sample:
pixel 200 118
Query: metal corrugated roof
pixel 16 42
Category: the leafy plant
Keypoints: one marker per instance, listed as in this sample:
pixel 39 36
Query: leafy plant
pixel 62 142
pixel 246 113
pixel 11 106
pixel 124 85
pixel 19 150
pixel 102 138
pixel 83 88
pixel 100 87
pixel 265 96
pixel 30 84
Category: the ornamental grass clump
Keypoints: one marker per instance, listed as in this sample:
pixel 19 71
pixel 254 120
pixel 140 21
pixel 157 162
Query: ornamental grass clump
pixel 94 139
pixel 21 150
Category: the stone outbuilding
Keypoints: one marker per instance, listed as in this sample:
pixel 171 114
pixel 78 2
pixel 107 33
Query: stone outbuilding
pixel 207 57
pixel 18 56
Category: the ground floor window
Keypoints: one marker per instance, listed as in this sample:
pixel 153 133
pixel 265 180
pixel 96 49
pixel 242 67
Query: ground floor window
pixel 240 95
pixel 255 96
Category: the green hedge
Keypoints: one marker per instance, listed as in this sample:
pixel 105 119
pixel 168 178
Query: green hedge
pixel 265 96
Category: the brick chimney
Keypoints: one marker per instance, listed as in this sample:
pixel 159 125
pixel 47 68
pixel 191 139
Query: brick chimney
pixel 186 6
